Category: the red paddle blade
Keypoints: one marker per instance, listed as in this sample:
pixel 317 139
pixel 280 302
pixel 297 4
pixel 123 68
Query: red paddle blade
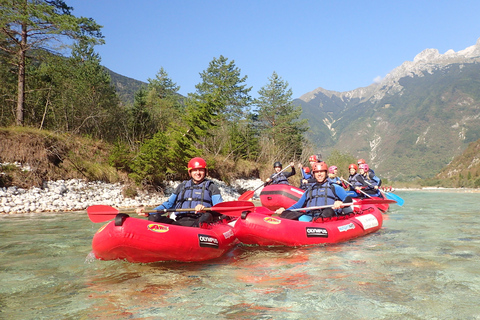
pixel 233 208
pixel 246 195
pixel 101 213
pixel 374 201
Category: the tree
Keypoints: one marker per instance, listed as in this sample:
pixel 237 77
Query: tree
pixel 219 109
pixel 281 131
pixel 163 100
pixel 39 24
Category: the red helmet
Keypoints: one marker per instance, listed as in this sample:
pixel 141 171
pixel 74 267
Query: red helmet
pixel 353 166
pixel 197 163
pixel 306 169
pixel 365 167
pixel 360 161
pixel 320 166
pixel 312 158
pixel 332 169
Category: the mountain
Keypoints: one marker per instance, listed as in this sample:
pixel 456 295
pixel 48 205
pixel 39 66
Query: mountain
pixel 125 86
pixel 409 125
pixel 464 170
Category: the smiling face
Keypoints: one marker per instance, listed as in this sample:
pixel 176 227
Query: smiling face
pixel 198 175
pixel 352 171
pixel 278 169
pixel 320 176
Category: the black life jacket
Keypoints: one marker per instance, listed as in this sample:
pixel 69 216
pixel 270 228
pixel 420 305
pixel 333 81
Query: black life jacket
pixel 279 179
pixel 193 194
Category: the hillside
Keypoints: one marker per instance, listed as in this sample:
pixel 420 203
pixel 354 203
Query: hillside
pixel 464 170
pixel 410 125
pixel 126 87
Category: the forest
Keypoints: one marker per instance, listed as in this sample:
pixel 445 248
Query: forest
pixel 51 79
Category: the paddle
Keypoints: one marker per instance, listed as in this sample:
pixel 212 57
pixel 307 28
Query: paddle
pixel 356 189
pixel 389 195
pixel 101 213
pixel 249 194
pixel 358 203
pixel 392 196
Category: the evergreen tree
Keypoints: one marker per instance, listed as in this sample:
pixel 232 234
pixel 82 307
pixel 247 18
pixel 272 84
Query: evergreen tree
pixel 281 131
pixel 218 111
pixel 38 24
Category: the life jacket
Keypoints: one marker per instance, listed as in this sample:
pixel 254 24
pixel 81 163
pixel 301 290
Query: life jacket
pixel 372 176
pixel 352 179
pixel 279 179
pixel 320 195
pixel 193 194
pixel 335 180
pixel 368 183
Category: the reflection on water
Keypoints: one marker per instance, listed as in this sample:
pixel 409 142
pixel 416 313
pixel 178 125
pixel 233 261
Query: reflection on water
pixel 422 264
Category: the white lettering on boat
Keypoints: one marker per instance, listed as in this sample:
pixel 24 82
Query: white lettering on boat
pixel 368 221
pixel 317 232
pixel 207 241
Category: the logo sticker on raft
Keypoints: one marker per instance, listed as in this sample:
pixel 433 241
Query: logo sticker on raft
pixel 316 232
pixel 272 220
pixel 207 241
pixel 368 221
pixel 157 228
pixel 346 227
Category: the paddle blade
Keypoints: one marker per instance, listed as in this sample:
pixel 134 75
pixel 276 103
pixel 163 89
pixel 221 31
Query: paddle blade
pixel 101 213
pixel 246 195
pixel 233 208
pixel 392 196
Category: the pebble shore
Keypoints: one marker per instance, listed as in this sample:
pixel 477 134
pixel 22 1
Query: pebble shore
pixel 78 195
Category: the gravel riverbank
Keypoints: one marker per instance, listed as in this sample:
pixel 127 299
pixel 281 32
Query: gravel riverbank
pixel 78 195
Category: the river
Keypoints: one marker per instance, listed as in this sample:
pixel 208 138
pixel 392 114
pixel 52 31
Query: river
pixel 423 264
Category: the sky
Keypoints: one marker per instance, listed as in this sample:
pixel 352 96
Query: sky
pixel 337 45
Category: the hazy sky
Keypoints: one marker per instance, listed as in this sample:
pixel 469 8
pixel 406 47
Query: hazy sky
pixel 336 45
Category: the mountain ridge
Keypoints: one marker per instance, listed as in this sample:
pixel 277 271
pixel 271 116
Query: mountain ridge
pixel 418 106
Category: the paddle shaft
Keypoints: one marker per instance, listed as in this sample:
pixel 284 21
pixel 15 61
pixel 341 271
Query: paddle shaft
pixel 355 189
pixel 248 194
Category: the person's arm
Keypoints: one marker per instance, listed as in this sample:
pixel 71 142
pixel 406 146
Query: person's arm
pixel 299 204
pixel 215 194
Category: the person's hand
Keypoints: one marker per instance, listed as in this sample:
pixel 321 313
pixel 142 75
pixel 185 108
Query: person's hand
pixel 279 211
pixel 337 205
pixel 268 180
pixel 376 187
pixel 292 164
pixel 141 211
pixel 199 207
pixel 304 181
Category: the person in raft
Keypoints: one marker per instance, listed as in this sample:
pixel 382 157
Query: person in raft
pixel 198 193
pixel 280 177
pixel 333 175
pixel 365 182
pixel 371 173
pixel 352 179
pixel 306 175
pixel 321 193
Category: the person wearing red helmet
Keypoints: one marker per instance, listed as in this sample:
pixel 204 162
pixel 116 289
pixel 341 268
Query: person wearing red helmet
pixel 365 182
pixel 197 192
pixel 320 193
pixel 306 176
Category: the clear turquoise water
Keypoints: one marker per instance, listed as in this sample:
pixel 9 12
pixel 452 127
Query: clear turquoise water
pixel 423 264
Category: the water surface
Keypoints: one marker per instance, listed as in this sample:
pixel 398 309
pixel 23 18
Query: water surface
pixel 423 264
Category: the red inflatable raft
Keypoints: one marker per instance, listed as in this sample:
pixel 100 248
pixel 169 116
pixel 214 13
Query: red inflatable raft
pixel 259 228
pixel 138 240
pixel 276 196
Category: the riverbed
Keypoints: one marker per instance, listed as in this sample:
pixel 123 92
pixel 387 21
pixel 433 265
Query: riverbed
pixel 423 264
